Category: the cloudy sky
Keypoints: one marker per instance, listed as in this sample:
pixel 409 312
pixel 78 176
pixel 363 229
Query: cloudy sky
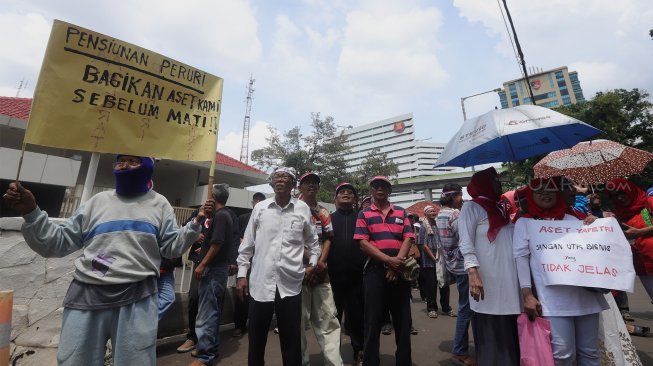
pixel 358 61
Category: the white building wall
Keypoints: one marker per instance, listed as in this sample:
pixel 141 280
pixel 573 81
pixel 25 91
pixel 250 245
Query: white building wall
pixel 415 158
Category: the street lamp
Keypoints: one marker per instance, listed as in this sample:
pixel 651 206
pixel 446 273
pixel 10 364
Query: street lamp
pixel 462 100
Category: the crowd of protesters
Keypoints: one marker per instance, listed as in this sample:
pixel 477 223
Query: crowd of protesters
pixel 350 271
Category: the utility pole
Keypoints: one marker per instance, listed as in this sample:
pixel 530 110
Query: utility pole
pixel 244 146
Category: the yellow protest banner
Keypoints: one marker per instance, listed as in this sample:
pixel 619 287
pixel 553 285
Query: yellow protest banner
pixel 97 93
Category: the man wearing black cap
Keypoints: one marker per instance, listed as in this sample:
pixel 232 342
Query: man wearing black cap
pixel 384 234
pixel 318 307
pixel 345 263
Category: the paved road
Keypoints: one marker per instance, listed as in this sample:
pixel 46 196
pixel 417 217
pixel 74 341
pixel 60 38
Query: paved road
pixel 430 347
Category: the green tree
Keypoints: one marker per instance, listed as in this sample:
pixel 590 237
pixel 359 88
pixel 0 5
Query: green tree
pixel 321 152
pixel 625 116
pixel 375 163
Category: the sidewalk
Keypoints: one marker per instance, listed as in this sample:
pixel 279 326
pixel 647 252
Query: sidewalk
pixel 430 347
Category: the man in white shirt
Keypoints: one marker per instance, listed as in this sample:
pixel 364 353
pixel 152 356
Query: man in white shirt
pixel 273 246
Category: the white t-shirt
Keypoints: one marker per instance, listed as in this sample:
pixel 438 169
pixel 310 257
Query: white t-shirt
pixel 494 260
pixel 556 300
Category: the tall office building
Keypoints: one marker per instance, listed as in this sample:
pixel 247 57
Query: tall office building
pixel 552 88
pixel 396 137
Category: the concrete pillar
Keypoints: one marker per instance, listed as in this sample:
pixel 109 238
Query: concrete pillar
pixel 428 195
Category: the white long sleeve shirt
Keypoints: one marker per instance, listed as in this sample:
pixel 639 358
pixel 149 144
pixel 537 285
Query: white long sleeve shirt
pixel 495 262
pixel 273 246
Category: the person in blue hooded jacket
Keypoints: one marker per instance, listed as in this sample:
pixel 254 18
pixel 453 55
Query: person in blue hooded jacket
pixel 122 235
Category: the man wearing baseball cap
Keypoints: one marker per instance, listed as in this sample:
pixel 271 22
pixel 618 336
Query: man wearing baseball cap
pixel 273 246
pixel 384 234
pixel 345 264
pixel 318 307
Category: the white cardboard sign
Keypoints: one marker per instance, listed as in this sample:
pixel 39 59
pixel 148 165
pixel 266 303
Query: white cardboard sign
pixel 570 253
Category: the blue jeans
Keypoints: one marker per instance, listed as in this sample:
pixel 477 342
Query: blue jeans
pixel 207 325
pixel 461 338
pixel 166 295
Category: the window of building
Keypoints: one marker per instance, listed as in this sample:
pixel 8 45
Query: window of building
pixel 566 100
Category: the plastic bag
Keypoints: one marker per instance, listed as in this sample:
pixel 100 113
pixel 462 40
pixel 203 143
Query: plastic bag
pixel 534 341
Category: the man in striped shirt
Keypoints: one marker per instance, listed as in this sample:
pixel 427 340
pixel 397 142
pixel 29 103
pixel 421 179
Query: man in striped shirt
pixel 384 233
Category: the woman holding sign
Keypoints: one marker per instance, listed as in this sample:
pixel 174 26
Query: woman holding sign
pixel 633 210
pixel 573 311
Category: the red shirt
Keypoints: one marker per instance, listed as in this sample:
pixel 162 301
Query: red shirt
pixel 388 233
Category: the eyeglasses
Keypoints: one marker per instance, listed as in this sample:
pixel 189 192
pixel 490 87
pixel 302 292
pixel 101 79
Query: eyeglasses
pixel 343 192
pixel 126 163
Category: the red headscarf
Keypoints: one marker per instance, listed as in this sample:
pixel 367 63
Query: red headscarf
pixel 509 198
pixel 481 188
pixel 638 200
pixel 557 212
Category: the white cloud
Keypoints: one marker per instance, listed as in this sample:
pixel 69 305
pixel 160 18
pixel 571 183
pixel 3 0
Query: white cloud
pixel 372 55
pixel 230 143
pixel 219 37
pixel 605 41
pixel 23 43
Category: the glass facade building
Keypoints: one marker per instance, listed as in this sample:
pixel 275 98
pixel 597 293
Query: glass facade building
pixel 550 89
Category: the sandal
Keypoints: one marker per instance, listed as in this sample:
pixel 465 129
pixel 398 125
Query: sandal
pixel 464 360
pixel 641 331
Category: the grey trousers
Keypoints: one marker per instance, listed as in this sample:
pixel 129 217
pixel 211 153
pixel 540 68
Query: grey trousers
pixel 132 329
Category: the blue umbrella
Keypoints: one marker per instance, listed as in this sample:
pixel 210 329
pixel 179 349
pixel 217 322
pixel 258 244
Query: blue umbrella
pixel 513 134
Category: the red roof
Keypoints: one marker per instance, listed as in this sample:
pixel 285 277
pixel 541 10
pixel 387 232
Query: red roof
pixel 20 108
pixel 418 208
pixel 15 107
pixel 223 159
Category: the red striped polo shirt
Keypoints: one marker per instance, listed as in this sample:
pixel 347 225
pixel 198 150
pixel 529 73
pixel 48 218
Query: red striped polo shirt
pixel 383 234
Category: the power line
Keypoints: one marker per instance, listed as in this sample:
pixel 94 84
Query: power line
pixel 512 44
pixel 520 53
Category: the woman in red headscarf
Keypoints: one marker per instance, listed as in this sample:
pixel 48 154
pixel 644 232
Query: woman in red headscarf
pixel 573 311
pixel 633 210
pixel 485 234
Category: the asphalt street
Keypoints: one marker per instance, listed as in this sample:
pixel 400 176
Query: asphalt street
pixel 430 347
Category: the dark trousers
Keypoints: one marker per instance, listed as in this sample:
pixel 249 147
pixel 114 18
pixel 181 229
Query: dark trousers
pixel 289 318
pixel 430 284
pixel 622 300
pixel 241 310
pixel 193 305
pixel 496 339
pixel 381 296
pixel 348 295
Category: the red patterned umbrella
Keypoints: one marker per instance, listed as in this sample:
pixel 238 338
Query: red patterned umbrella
pixel 593 162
